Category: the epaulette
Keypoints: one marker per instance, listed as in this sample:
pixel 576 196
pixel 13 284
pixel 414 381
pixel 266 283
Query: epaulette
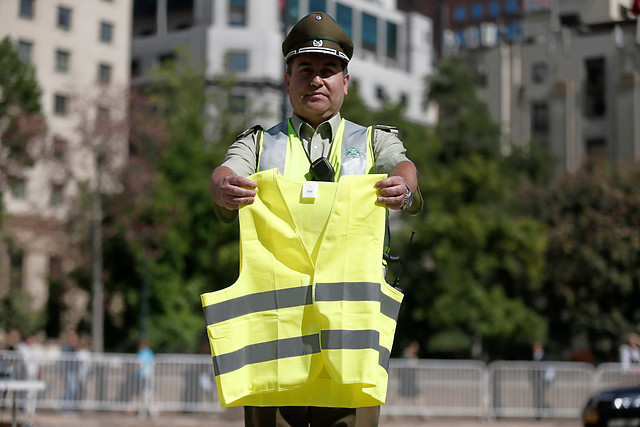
pixel 249 131
pixel 390 129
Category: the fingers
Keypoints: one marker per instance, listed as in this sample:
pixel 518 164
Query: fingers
pixel 392 191
pixel 236 191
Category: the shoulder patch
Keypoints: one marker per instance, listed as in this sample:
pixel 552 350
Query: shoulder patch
pixel 249 131
pixel 390 129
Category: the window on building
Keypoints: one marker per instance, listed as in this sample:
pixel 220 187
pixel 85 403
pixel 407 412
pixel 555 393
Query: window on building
pixel 62 60
pixel 462 40
pixel 380 93
pixel 60 105
pixel 16 260
pixel 26 8
pixel 57 195
pixel 237 61
pixel 344 17
pixel 106 32
pixel 539 72
pixel 477 11
pixel 317 6
pixel 512 7
pixel 494 9
pixel 596 149
pixel 237 103
pixel 238 13
pixel 595 87
pixel 64 18
pixel 135 68
pixel 55 267
pixel 369 32
pixel 18 187
pixel 104 74
pixel 513 31
pixel 539 118
pixel 293 12
pixel 460 13
pixel 25 49
pixel 392 40
pixel 404 99
pixel 103 115
pixel 166 58
pixel 59 148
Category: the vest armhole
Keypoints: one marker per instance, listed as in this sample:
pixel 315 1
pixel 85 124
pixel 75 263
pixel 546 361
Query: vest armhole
pixel 255 129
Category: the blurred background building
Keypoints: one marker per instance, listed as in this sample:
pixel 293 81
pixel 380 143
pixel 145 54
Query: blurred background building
pixel 393 49
pixel 560 74
pixel 81 54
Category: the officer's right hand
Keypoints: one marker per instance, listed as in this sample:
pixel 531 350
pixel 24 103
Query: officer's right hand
pixel 230 190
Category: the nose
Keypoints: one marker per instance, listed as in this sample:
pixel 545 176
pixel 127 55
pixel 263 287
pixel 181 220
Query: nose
pixel 317 81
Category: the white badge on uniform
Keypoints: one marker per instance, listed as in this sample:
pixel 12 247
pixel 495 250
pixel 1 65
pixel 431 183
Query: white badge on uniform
pixel 310 190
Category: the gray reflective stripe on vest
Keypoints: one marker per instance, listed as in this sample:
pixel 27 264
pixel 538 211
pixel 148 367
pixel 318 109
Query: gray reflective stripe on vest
pixel 356 340
pixel 358 291
pixel 300 346
pixel 353 159
pixel 260 301
pixel 266 351
pixel 273 152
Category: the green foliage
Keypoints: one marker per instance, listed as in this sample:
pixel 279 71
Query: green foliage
pixel 593 279
pixel 17 313
pixel 165 217
pixel 476 260
pixel 20 115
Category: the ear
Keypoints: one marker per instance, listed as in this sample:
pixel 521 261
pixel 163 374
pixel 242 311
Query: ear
pixel 346 84
pixel 287 81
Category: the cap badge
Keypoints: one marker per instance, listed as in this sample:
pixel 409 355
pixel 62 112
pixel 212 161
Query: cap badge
pixel 318 17
pixel 317 43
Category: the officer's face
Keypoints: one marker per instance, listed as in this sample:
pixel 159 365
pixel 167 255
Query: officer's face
pixel 316 86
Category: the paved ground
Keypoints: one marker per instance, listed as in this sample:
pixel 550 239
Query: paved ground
pixel 233 418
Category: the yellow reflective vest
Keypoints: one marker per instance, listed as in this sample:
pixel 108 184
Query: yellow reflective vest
pixel 351 151
pixel 310 320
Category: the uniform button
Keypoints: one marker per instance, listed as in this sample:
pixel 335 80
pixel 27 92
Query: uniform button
pixel 315 146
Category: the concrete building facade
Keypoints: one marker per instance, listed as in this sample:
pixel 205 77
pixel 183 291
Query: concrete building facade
pixel 81 54
pixel 393 49
pixel 571 84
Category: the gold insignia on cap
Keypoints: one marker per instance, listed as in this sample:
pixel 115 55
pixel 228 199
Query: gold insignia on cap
pixel 317 43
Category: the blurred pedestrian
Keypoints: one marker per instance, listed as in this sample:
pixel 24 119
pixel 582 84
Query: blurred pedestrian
pixel 70 369
pixel 542 376
pixel 144 380
pixel 409 386
pixel 630 352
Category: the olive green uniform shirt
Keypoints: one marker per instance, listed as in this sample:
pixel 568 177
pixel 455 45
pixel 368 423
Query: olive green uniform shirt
pixel 242 155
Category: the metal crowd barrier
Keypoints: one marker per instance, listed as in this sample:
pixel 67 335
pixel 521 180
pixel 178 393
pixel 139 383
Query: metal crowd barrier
pixel 442 388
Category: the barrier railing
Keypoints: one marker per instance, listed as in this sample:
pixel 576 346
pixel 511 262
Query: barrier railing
pixel 185 383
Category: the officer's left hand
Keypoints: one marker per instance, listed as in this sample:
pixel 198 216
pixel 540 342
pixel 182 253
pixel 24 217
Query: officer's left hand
pixel 392 191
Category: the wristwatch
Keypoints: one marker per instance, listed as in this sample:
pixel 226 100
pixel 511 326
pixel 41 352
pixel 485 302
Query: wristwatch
pixel 408 199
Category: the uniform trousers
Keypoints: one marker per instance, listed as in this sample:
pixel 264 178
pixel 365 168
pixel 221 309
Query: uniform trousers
pixel 310 416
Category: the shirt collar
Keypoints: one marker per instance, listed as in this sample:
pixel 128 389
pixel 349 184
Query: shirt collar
pixel 333 122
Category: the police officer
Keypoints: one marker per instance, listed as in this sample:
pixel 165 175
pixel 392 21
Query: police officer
pixel 317 52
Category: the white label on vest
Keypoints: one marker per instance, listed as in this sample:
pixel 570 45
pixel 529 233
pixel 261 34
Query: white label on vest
pixel 310 190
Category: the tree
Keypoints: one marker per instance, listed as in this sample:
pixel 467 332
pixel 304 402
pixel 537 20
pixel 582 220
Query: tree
pixel 161 232
pixel 21 120
pixel 21 128
pixel 476 260
pixel 593 259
